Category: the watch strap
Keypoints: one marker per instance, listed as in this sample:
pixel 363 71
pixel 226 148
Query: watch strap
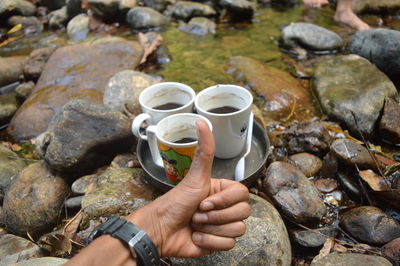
pixel 133 236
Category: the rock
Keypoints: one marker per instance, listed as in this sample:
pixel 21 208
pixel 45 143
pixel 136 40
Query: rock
pixel 33 202
pixel 281 90
pixel 187 10
pixel 74 7
pixel 389 126
pixel 44 261
pixel 391 251
pixel 31 25
pixel 108 10
pixel 11 69
pixel 379 7
pixel 158 5
pixel 144 17
pixel 58 18
pixel 52 4
pixel 350 186
pixel 24 89
pixel 370 225
pixel 266 241
pixel 307 163
pixel 199 26
pixel 8 106
pixel 352 153
pixel 10 165
pixel 295 195
pixel 16 7
pixel 379 46
pixel 124 88
pixel 310 36
pixel 313 238
pixel 325 185
pixel 239 9
pixel 341 98
pixel 80 186
pixel 78 27
pixel 125 5
pixel 118 192
pixel 73 72
pixel 351 259
pixel 84 136
pixel 313 136
pixel 74 202
pixel 14 249
pixel 36 63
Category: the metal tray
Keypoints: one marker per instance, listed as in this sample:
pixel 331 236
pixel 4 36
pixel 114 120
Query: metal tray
pixel 222 168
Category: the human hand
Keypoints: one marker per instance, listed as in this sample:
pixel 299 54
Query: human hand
pixel 201 214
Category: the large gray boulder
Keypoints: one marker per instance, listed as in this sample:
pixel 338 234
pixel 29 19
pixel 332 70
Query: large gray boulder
pixel 310 36
pixel 266 241
pixel 186 10
pixel 11 69
pixel 58 18
pixel 84 136
pixel 144 17
pixel 10 165
pixel 78 27
pixel 33 202
pixel 361 93
pixel 351 259
pixel 293 193
pixel 381 47
pixel 16 7
pixel 15 249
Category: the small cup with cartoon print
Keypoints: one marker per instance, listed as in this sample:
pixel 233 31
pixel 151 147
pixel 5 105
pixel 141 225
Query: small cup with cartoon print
pixel 173 142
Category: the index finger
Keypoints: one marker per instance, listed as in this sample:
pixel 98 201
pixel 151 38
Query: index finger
pixel 225 193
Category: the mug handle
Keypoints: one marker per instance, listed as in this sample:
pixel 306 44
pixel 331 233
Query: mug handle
pixel 137 122
pixel 152 140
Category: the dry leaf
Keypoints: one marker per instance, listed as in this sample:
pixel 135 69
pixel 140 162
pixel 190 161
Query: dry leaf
pixel 347 134
pixel 16 147
pixel 61 244
pixel 72 226
pixel 148 47
pixel 14 29
pixel 339 248
pixel 376 148
pixel 389 199
pixel 376 182
pixel 7 41
pixel 325 250
pixel 384 160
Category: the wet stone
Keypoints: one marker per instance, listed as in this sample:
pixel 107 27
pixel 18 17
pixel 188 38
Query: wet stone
pixel 125 5
pixel 325 185
pixel 14 249
pixel 239 9
pixel 370 225
pixel 78 27
pixel 144 17
pixel 159 5
pixel 123 89
pixel 350 186
pixel 352 153
pixel 33 202
pixel 80 186
pixel 74 202
pixel 16 7
pixel 24 89
pixel 31 25
pixel 293 193
pixel 313 238
pixel 107 10
pixel 310 36
pixel 84 136
pixel 342 98
pixel 389 126
pixel 118 192
pixel 391 251
pixel 266 241
pixel 187 10
pixel 351 259
pixel 10 165
pixel 36 62
pixel 199 26
pixel 307 163
pixel 8 106
pixel 11 69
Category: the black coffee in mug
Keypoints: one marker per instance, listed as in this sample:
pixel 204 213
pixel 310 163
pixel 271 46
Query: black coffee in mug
pixel 223 110
pixel 185 140
pixel 168 106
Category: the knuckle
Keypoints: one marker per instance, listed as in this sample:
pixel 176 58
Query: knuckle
pixel 246 210
pixel 242 228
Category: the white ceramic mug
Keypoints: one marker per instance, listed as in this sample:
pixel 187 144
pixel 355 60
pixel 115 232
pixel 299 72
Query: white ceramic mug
pixel 179 96
pixel 173 142
pixel 230 126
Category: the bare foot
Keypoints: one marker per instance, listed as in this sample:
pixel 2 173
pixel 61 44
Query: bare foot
pixel 348 18
pixel 315 3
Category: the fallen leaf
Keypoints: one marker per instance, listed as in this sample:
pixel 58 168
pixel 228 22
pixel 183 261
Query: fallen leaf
pixel 72 226
pixel 57 245
pixel 14 29
pixel 376 148
pixel 30 237
pixel 376 182
pixel 148 46
pixel 339 248
pixel 325 250
pixel 384 160
pixel 389 199
pixel 16 147
pixel 9 40
pixel 325 185
pixel 347 134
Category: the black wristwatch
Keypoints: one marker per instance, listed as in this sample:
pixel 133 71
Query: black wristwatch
pixel 136 239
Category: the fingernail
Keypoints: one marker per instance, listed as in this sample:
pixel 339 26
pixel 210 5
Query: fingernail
pixel 200 217
pixel 196 237
pixel 206 206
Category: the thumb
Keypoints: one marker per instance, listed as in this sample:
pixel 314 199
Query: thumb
pixel 203 158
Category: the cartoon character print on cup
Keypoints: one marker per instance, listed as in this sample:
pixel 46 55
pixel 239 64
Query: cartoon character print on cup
pixel 177 161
